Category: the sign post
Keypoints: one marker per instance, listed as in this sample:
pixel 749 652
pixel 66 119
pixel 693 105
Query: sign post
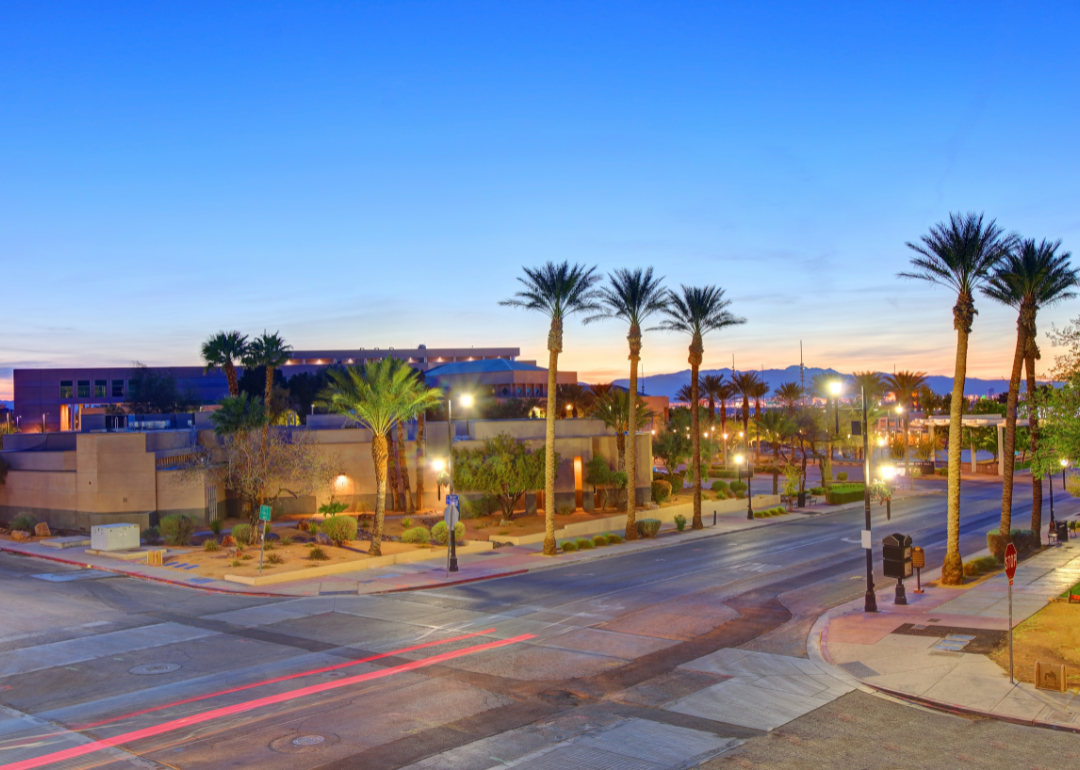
pixel 1010 570
pixel 450 517
pixel 264 519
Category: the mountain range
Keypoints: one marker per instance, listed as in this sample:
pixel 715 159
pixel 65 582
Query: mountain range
pixel 669 384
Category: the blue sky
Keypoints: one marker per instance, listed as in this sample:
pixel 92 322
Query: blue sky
pixel 375 174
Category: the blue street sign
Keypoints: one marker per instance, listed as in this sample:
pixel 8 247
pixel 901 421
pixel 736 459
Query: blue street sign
pixel 264 513
pixel 452 500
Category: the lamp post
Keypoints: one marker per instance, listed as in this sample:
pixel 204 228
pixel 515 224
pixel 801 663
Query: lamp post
pixel 739 460
pixel 1050 476
pixel 835 387
pixel 438 466
pixel 870 599
pixel 466 401
pixel 888 473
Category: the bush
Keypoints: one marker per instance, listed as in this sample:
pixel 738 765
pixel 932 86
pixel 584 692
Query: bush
pixel 150 535
pixel 438 532
pixel 274 558
pixel 680 522
pixel 24 521
pixel 841 476
pixel 177 529
pixel 333 508
pixel 817 490
pixel 416 536
pixel 317 554
pixel 584 544
pixel 738 487
pixel 569 546
pixel 837 494
pixel 211 545
pixel 676 484
pixel 216 526
pixel 648 527
pixel 600 540
pixel 614 539
pixel 235 563
pixel 979 566
pixel 406 523
pixel 286 540
pixel 242 534
pixel 721 486
pixel 471 509
pixel 565 510
pixel 1024 539
pixel 661 491
pixel 942 471
pixel 339 529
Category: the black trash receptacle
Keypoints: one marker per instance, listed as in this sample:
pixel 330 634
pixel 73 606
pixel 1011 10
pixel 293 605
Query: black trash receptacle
pixel 1062 531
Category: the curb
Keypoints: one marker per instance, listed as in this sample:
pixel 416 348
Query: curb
pixel 452 583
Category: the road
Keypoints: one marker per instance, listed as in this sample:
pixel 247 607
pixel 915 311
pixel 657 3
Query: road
pixel 184 679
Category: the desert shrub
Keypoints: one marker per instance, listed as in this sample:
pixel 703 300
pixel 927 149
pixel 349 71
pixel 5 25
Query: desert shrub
pixel 274 558
pixel 215 526
pixel 406 523
pixel 600 540
pixel 416 536
pixel 286 540
pixel 333 508
pixel 565 510
pixel 680 522
pixel 661 491
pixel 439 531
pixel 247 556
pixel 648 527
pixel 842 476
pixel 24 521
pixel 211 545
pixel 569 546
pixel 676 484
pixel 317 554
pixel 942 471
pixel 242 534
pixel 339 529
pixel 817 490
pixel 721 486
pixel 845 493
pixel 471 509
pixel 738 487
pixel 980 566
pixel 584 543
pixel 150 535
pixel 177 529
pixel 235 563
pixel 614 539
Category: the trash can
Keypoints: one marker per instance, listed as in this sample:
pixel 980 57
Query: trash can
pixel 1062 531
pixel 897 562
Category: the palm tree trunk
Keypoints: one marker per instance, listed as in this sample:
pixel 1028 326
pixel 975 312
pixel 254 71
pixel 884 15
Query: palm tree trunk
pixel 696 355
pixel 420 450
pixel 1033 429
pixel 379 454
pixel 631 446
pixel 269 388
pixel 393 470
pixel 406 490
pixel 549 443
pixel 952 569
pixel 723 429
pixel 1009 449
pixel 230 376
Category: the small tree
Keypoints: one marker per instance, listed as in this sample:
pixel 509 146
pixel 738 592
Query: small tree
pixel 598 476
pixel 792 478
pixel 882 491
pixel 503 468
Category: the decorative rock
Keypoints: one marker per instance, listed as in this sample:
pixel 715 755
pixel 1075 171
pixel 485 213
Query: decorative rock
pixel 323 539
pixel 228 541
pixel 18 534
pixel 42 530
pixel 271 536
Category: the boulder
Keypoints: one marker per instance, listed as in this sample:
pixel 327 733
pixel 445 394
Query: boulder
pixel 18 534
pixel 42 530
pixel 228 541
pixel 323 539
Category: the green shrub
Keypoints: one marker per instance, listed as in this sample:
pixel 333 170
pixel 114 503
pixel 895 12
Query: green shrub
pixel 286 540
pixel 565 510
pixel 472 509
pixel 738 487
pixel 215 526
pixel 680 522
pixel 980 566
pixel 584 544
pixel 438 532
pixel 274 558
pixel 235 563
pixel 614 539
pixel 416 536
pixel 333 508
pixel 569 546
pixel 841 476
pixel 317 554
pixel 150 535
pixel 648 527
pixel 242 534
pixel 661 491
pixel 600 540
pixel 676 484
pixel 247 556
pixel 177 529
pixel 25 522
pixel 211 545
pixel 942 471
pixel 406 523
pixel 721 486
pixel 817 490
pixel 339 529
pixel 838 494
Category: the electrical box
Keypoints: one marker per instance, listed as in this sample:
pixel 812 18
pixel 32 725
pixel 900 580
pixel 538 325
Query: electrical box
pixel 114 537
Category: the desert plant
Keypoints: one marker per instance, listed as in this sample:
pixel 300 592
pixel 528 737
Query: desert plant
pixel 216 526
pixel 600 540
pixel 317 554
pixel 680 522
pixel 211 545
pixel 242 534
pixel 721 486
pixel 648 527
pixel 274 558
pixel 439 531
pixel 738 487
pixel 842 476
pixel 333 508
pixel 614 539
pixel 286 540
pixel 416 536
pixel 339 529
pixel 235 563
pixel 406 523
pixel 177 529
pixel 247 556
pixel 24 521
pixel 150 535
pixel 584 544
pixel 569 546
pixel 566 510
pixel 661 491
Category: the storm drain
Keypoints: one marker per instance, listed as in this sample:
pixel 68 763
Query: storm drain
pixel 154 668
pixel 303 744
pixel 953 643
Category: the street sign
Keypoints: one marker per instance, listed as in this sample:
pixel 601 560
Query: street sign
pixel 451 516
pixel 452 500
pixel 1010 562
pixel 264 513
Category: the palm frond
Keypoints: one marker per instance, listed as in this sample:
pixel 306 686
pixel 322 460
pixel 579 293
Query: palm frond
pixel 557 290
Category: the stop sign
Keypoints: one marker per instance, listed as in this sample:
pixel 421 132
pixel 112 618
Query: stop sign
pixel 1010 562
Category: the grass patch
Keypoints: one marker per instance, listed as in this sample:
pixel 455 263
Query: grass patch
pixel 1051 635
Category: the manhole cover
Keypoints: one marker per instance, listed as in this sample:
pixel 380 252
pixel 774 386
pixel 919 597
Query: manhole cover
pixel 333 675
pixel 303 744
pixel 154 668
pixel 308 740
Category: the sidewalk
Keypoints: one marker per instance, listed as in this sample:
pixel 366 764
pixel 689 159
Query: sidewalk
pixel 501 562
pixel 933 651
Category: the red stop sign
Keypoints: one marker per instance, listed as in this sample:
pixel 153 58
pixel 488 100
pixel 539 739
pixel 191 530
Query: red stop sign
pixel 1010 562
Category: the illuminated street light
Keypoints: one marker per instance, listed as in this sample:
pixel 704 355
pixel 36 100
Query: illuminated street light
pixel 888 472
pixel 836 387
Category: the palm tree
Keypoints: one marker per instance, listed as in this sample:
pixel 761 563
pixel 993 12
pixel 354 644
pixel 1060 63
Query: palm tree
pixel 576 399
pixel 713 387
pixel 760 390
pixel 959 255
pixel 267 350
pixel 632 296
pixel 745 385
pixel 686 393
pixel 774 427
pixel 871 384
pixel 790 394
pixel 600 389
pixel 557 291
pixel 614 409
pixel 697 311
pixel 1030 277
pixel 905 384
pixel 238 414
pixel 221 350
pixel 377 396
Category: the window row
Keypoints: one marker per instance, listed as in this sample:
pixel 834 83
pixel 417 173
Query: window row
pixel 81 389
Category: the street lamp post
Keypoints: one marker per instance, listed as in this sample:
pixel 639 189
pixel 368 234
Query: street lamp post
pixel 739 460
pixel 870 599
pixel 888 473
pixel 1050 476
pixel 466 401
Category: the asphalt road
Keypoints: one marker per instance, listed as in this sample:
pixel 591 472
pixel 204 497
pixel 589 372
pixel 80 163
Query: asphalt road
pixel 548 654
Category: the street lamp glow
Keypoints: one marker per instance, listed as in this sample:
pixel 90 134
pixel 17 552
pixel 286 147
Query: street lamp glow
pixel 881 441
pixel 438 465
pixel 738 459
pixel 725 437
pixel 1064 463
pixel 836 387
pixel 899 408
pixel 467 400
pixel 888 472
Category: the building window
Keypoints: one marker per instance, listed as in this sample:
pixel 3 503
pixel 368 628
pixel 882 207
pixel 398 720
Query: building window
pixel 66 389
pixel 99 388
pixel 117 388
pixel 84 388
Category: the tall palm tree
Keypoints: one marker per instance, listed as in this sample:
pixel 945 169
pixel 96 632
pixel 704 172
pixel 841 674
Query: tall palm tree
pixel 576 399
pixel 869 383
pixel 905 384
pixel 238 414
pixel 686 393
pixel 557 291
pixel 632 296
pixel 267 350
pixel 614 409
pixel 745 385
pixel 222 350
pixel 696 311
pixel 377 396
pixel 959 255
pixel 712 387
pixel 790 394
pixel 600 389
pixel 760 390
pixel 1032 276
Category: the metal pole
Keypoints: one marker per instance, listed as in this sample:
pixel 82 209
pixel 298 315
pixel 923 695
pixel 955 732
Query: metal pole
pixel 870 600
pixel 451 534
pixel 1011 679
pixel 749 493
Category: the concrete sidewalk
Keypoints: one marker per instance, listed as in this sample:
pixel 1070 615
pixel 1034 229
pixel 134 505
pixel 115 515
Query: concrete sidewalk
pixel 933 651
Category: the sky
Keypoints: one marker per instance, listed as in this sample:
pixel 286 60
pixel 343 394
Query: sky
pixel 376 174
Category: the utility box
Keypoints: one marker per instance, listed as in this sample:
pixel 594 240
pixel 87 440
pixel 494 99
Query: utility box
pixel 896 556
pixel 114 537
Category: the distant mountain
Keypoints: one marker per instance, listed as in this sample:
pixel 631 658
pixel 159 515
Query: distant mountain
pixel 669 384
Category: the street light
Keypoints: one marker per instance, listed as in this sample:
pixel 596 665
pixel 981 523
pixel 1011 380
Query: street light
pixel 739 460
pixel 888 473
pixel 836 387
pixel 438 466
pixel 870 598
pixel 466 401
pixel 1064 465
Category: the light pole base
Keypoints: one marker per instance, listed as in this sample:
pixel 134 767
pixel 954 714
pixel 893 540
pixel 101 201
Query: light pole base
pixel 901 595
pixel 870 602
